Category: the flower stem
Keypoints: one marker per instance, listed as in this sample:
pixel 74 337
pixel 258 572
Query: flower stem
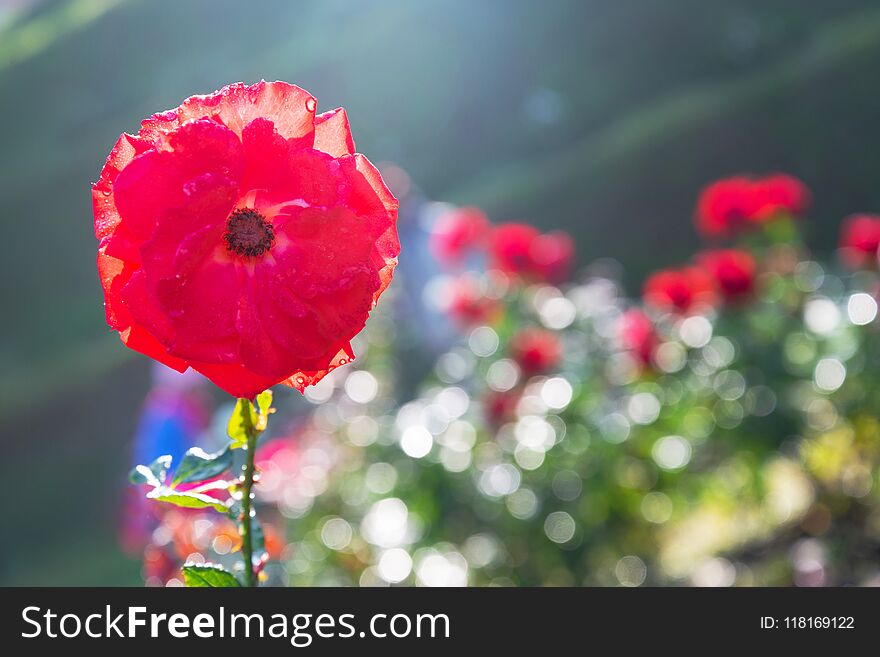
pixel 247 548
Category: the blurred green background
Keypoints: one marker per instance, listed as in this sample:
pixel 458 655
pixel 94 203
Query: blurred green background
pixel 603 118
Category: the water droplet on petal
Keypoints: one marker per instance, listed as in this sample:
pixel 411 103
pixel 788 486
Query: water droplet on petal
pixel 311 104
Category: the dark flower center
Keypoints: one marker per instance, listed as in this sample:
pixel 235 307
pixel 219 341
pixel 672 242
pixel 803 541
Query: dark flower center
pixel 248 233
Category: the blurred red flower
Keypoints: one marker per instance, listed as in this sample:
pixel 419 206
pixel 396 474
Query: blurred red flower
pixel 536 351
pixel 458 232
pixel 522 249
pixel 552 257
pixel 730 205
pixel 511 246
pixel 159 566
pixel 638 335
pixel 860 240
pixel 500 407
pixel 274 542
pixel 679 290
pixel 732 270
pixel 242 236
pixel 724 207
pixel 468 305
pixel 779 194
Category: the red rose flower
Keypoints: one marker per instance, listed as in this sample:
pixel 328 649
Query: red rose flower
pixel 724 207
pixel 778 194
pixel 679 290
pixel 860 240
pixel 458 232
pixel 242 236
pixel 552 257
pixel 536 351
pixel 500 407
pixel 637 335
pixel 732 270
pixel 521 249
pixel 511 247
pixel 730 205
pixel 469 306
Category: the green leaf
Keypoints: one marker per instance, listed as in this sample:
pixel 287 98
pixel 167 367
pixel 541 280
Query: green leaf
pixel 153 474
pixel 241 424
pixel 214 484
pixel 234 511
pixel 186 498
pixel 781 230
pixel 197 465
pixel 264 403
pixel 208 575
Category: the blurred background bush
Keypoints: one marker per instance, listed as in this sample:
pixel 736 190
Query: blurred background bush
pixel 600 118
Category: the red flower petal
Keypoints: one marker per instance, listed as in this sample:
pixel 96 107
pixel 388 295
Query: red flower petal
pixel 279 331
pixel 204 153
pixel 374 201
pixel 235 379
pixel 333 134
pixel 114 274
pixel 140 340
pixel 186 290
pixel 202 300
pixel 301 380
pixel 139 299
pixel 241 382
pixel 291 109
pixel 264 148
pixel 123 152
pixel 327 257
pixel 283 171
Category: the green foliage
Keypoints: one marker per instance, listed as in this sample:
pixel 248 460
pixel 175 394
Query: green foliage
pixel 153 474
pixel 249 420
pixel 241 423
pixel 208 576
pixel 196 466
pixel 264 403
pixel 186 499
pixel 199 466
